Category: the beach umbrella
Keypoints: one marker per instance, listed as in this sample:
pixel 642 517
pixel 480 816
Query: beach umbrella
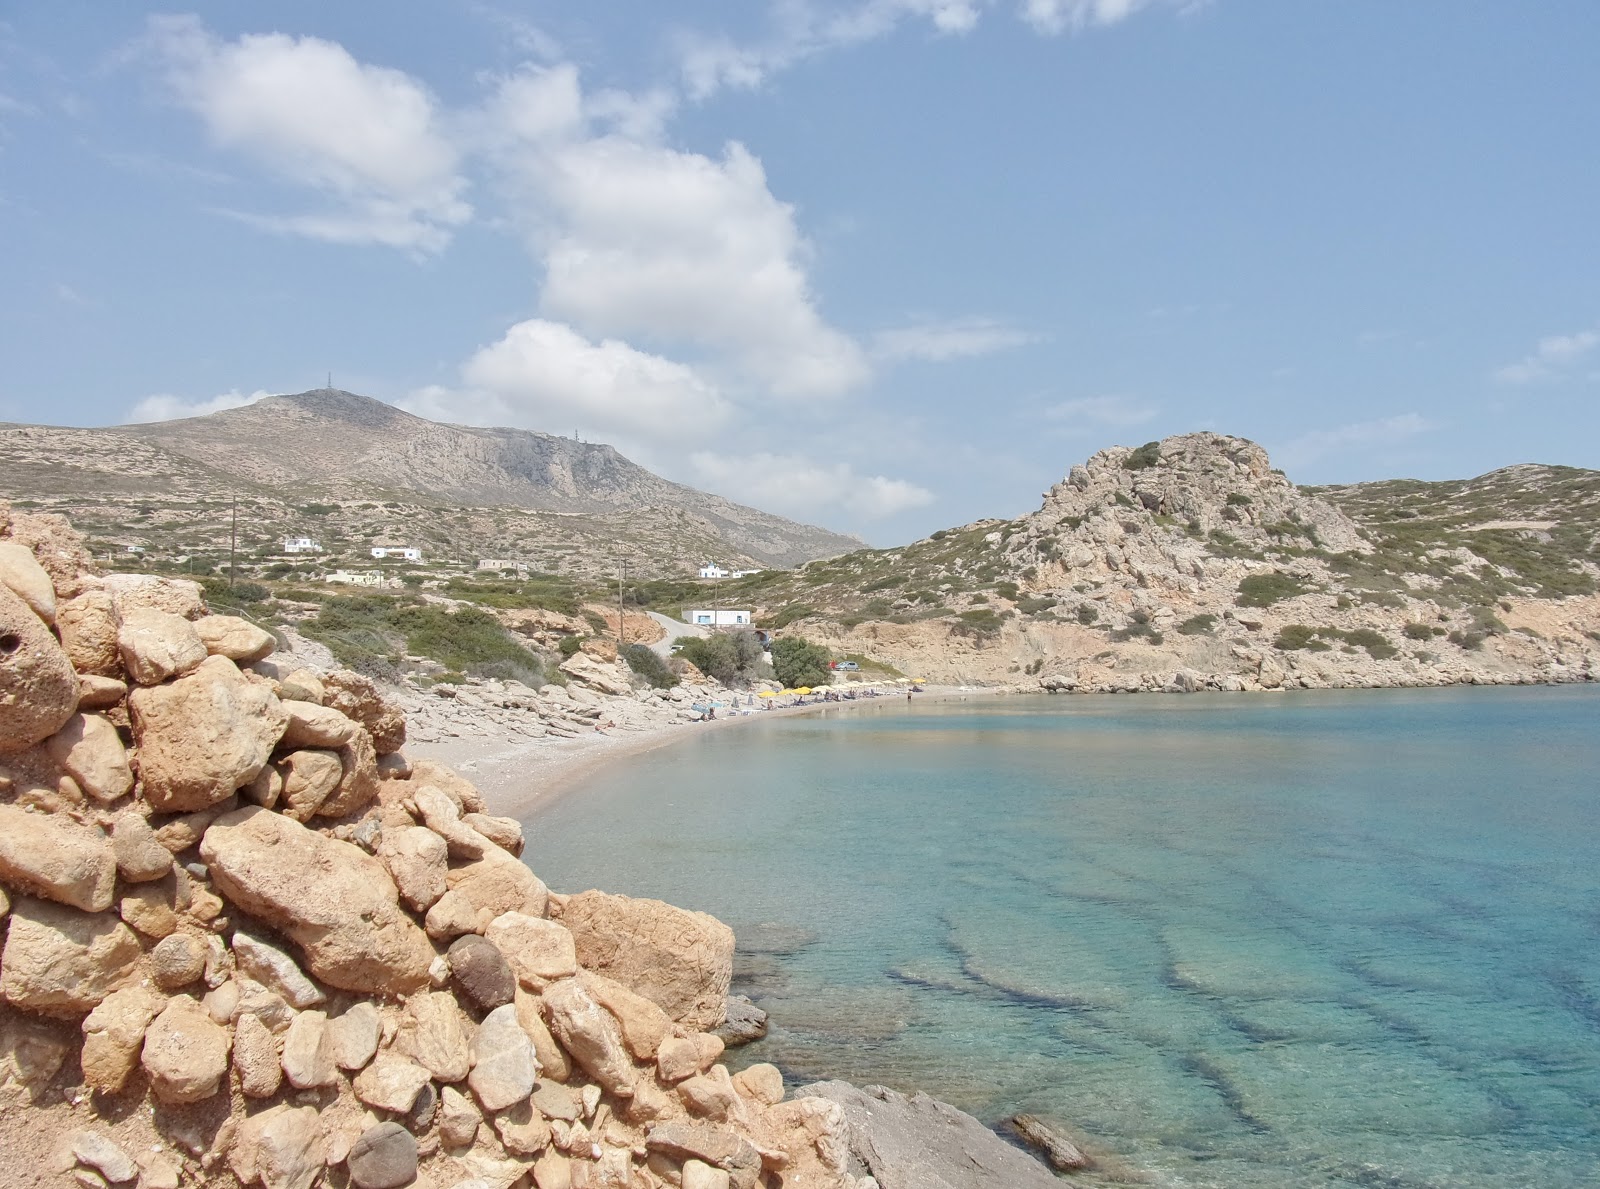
pixel 766 693
pixel 804 689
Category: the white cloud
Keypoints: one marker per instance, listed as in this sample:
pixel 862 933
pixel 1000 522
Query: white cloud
pixel 1062 16
pixel 1552 358
pixel 547 377
pixel 166 407
pixel 941 341
pixel 367 138
pixel 1101 412
pixel 1386 431
pixel 645 241
pixel 797 486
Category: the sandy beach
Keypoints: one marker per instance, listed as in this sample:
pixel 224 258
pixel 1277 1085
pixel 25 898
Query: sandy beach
pixel 519 778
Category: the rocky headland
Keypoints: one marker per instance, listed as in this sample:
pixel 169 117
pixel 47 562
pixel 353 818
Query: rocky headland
pixel 250 940
pixel 1191 564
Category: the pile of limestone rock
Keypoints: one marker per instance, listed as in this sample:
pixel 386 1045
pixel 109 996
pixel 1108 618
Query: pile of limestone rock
pixel 247 942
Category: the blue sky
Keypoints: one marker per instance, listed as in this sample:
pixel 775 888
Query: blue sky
pixel 885 265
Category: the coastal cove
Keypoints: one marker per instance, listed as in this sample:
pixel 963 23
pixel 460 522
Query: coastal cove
pixel 1315 939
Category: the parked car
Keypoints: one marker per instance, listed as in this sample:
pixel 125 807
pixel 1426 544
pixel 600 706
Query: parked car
pixel 844 666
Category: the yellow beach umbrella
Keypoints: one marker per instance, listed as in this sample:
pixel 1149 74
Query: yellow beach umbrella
pixel 804 689
pixel 766 693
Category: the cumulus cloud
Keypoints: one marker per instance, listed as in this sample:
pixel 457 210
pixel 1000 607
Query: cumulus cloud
pixel 1553 357
pixel 800 487
pixel 1101 412
pixel 365 137
pixel 642 240
pixel 1052 17
pixel 166 407
pixel 941 341
pixel 545 376
pixel 1385 431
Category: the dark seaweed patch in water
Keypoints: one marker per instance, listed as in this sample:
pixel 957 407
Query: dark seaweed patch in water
pixel 1574 996
pixel 1199 1066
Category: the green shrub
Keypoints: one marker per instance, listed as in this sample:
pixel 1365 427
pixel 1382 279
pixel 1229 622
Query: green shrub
pixel 1087 613
pixel 1376 644
pixel 1263 590
pixel 1137 631
pixel 799 662
pixel 981 623
pixel 1144 457
pixel 569 645
pixel 1007 590
pixel 238 595
pixel 1238 499
pixel 1036 604
pixel 728 656
pixel 1198 625
pixel 1295 636
pixel 648 665
pixel 467 638
pixel 1417 631
pixel 1471 641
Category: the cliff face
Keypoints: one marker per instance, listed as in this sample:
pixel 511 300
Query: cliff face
pixel 369 469
pixel 1190 563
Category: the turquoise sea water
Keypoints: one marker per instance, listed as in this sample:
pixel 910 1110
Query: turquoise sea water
pixel 1320 939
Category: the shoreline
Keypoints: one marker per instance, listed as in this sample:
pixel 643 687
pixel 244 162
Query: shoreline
pixel 523 779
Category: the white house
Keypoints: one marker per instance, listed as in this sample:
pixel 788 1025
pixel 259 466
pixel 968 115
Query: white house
pixel 301 545
pixel 403 552
pixel 503 565
pixel 712 570
pixel 742 573
pixel 347 578
pixel 720 618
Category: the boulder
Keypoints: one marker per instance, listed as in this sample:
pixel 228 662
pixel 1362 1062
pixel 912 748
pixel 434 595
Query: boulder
pixel 459 1118
pixel 282 1148
pixel 924 1142
pixel 681 960
pixel 539 951
pixel 176 961
pixel 553 1061
pixel 308 1052
pixel 311 725
pixel 59 961
pixel 139 854
pixel 176 596
pixel 53 856
pixel 357 697
pixel 590 1036
pixel 597 674
pixel 237 639
pixel 38 689
pixel 22 574
pixel 499 884
pixel 88 627
pixel 433 1033
pixel 329 897
pixel 416 858
pixel 482 972
pixel 94 1150
pixel 309 778
pixel 682 1057
pixel 443 816
pixel 744 1024
pixel 455 786
pixel 203 735
pixel 504 832
pixel 713 1144
pixel 358 786
pixel 156 645
pixel 89 750
pixel 256 1060
pixel 763 1083
pixel 391 1083
pixel 185 1053
pixel 301 685
pixel 113 1034
pixel 355 1035
pixel 711 1095
pixel 385 1157
pixel 275 970
pixel 149 909
pixel 504 1065
pixel 523 1131
pixel 644 1025
pixel 99 693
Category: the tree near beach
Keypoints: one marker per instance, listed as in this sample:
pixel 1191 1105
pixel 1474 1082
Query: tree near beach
pixel 727 656
pixel 799 662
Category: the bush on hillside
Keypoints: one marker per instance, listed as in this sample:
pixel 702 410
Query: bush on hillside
pixel 648 665
pixel 1144 457
pixel 1197 625
pixel 799 662
pixel 730 657
pixel 1263 590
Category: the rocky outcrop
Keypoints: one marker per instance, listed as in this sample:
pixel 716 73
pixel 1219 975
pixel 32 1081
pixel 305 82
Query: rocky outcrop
pixel 336 977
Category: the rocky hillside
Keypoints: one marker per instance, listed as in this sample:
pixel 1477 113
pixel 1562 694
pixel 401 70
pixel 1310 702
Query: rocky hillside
pixel 1192 563
pixel 353 471
pixel 247 942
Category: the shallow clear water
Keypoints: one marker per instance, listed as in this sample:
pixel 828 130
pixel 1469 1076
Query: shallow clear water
pixel 1319 939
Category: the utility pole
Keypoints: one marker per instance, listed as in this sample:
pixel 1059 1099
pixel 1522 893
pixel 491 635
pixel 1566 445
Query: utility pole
pixel 622 571
pixel 233 542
